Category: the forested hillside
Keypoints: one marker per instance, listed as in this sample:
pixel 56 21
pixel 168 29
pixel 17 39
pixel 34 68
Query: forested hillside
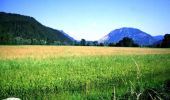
pixel 19 29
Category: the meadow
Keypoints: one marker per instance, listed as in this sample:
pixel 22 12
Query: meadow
pixel 88 73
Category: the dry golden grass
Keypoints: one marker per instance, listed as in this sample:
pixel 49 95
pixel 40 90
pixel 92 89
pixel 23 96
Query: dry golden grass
pixel 60 51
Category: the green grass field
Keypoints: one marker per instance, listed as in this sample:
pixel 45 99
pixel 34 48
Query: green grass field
pixel 73 74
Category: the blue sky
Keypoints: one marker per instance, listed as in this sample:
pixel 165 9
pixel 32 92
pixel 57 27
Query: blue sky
pixel 92 19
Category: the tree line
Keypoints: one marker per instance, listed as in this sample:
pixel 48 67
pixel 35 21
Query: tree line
pixel 127 42
pixel 6 39
pixel 165 42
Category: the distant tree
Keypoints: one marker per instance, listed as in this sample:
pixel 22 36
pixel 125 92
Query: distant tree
pixel 166 41
pixel 76 43
pixel 126 42
pixel 26 41
pixel 43 42
pixel 88 44
pixel 101 44
pixel 6 38
pixel 56 43
pixel 95 43
pixel 83 42
pixel 111 44
pixel 35 42
pixel 18 40
pixel 135 45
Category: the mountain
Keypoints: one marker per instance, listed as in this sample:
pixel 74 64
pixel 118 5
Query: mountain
pixel 16 28
pixel 158 38
pixel 71 38
pixel 138 36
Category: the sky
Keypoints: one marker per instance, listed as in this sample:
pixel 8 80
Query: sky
pixel 93 19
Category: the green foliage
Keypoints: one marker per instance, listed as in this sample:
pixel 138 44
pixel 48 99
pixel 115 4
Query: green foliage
pixel 166 41
pixel 88 77
pixel 111 44
pixel 83 42
pixel 95 43
pixel 126 42
pixel 14 26
pixel 57 43
pixel 101 44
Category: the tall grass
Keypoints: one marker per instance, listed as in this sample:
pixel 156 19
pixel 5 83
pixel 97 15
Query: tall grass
pixel 48 72
pixel 82 77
